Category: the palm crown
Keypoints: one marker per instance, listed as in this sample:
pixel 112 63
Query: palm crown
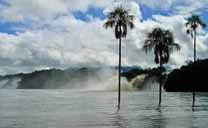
pixel 162 41
pixel 121 20
pixel 193 22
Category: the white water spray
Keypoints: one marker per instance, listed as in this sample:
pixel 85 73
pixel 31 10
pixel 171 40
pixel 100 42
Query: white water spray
pixel 100 79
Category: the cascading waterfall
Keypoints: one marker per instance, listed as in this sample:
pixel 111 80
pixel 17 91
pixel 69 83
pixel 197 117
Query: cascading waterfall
pixel 9 83
pixel 102 79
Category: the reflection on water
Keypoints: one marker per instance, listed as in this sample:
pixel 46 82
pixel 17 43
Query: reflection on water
pixel 156 121
pixel 92 109
pixel 120 121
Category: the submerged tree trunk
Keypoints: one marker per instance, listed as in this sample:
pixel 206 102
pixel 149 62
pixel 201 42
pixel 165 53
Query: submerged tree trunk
pixel 193 102
pixel 119 75
pixel 160 90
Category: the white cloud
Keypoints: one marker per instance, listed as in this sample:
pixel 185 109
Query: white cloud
pixel 21 10
pixel 131 6
pixel 65 41
pixel 162 4
pixel 191 6
pixel 35 10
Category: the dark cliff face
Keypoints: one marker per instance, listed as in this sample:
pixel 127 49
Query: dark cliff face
pixel 192 77
pixel 42 79
pixel 77 78
pixel 73 78
pixel 150 72
pixel 57 79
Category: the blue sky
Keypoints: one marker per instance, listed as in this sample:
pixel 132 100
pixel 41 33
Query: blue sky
pixel 97 12
pixel 146 11
pixel 92 11
pixel 42 34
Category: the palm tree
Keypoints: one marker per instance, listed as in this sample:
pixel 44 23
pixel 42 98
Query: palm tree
pixel 120 20
pixel 192 24
pixel 162 42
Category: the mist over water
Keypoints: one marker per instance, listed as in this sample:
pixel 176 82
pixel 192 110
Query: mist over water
pixel 87 98
pixel 108 81
pixel 100 79
pixel 9 83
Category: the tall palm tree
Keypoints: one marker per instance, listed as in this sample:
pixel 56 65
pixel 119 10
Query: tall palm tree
pixel 120 20
pixel 192 24
pixel 162 42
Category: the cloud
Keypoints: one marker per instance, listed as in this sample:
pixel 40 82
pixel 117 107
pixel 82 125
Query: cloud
pixel 188 7
pixel 39 10
pixel 36 10
pixel 57 39
pixel 162 4
pixel 131 6
pixel 76 45
pixel 21 10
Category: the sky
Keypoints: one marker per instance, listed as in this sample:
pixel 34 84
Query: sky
pixel 44 34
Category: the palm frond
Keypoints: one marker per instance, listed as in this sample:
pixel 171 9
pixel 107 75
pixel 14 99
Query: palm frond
pixel 162 41
pixel 194 21
pixel 187 24
pixel 131 18
pixel 148 45
pixel 192 34
pixel 174 47
pixel 202 24
pixel 124 30
pixel 146 48
pixel 121 20
pixel 118 31
pixel 157 54
pixel 109 23
pixel 131 25
pixel 188 31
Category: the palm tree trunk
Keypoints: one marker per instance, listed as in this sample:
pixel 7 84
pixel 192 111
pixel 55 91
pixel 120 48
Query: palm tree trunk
pixel 119 75
pixel 160 90
pixel 194 45
pixel 193 103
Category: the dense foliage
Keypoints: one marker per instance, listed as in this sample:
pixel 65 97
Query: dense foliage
pixel 192 77
pixel 136 71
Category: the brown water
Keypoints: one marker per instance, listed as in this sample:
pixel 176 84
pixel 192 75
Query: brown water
pixel 97 109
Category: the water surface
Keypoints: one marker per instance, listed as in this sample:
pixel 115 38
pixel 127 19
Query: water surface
pixel 97 109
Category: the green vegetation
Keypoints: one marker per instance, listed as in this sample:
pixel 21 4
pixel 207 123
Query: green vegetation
pixel 150 72
pixel 189 78
pixel 56 79
pixel 44 79
pixel 162 42
pixel 192 24
pixel 120 19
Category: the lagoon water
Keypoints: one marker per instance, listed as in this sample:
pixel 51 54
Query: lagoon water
pixel 97 109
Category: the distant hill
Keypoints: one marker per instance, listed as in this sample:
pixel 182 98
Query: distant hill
pixel 125 69
pixel 193 76
pixel 71 78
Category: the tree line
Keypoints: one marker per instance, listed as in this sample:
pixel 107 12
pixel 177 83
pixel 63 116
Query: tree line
pixel 159 40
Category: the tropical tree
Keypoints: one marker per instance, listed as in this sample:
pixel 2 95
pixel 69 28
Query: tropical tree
pixel 192 24
pixel 120 20
pixel 162 42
